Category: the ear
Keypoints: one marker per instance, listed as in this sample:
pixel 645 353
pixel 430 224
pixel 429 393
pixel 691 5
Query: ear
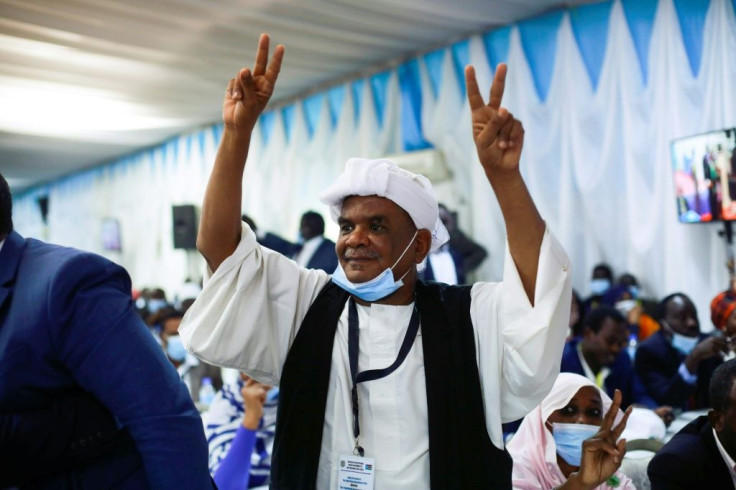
pixel 588 333
pixel 423 244
pixel 716 420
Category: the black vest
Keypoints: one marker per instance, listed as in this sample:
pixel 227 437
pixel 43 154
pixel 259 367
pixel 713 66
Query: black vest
pixel 461 455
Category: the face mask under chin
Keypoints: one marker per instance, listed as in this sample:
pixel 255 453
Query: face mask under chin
pixel 377 288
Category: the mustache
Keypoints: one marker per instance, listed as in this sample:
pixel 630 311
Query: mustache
pixel 357 253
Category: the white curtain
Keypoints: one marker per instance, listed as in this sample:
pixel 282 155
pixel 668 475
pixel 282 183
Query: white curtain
pixel 596 155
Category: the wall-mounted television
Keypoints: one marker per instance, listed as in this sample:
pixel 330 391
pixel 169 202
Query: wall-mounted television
pixel 111 235
pixel 704 168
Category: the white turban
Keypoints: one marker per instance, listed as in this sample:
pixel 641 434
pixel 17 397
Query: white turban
pixel 411 192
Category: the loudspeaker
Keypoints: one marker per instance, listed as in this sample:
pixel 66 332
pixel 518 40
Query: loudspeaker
pixel 184 226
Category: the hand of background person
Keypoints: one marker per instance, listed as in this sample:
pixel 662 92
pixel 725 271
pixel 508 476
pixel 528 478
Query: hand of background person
pixel 254 395
pixel 498 136
pixel 248 93
pixel 666 413
pixel 710 347
pixel 602 455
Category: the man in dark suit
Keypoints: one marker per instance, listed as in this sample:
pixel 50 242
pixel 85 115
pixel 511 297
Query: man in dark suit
pixel 315 251
pixel 600 355
pixel 271 240
pixel 676 362
pixel 702 454
pixel 87 397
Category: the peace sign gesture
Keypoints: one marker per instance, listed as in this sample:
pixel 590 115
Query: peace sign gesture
pixel 498 136
pixel 602 455
pixel 248 93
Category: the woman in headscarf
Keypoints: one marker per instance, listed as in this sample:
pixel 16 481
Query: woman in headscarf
pixel 569 441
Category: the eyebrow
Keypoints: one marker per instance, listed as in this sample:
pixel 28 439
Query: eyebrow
pixel 379 218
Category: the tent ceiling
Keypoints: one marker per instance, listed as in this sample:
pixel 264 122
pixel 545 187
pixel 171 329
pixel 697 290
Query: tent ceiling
pixel 85 81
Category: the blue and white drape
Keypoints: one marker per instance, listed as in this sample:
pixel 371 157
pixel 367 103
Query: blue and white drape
pixel 601 89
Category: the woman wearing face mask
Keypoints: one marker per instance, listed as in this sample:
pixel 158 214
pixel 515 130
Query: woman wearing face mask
pixel 569 440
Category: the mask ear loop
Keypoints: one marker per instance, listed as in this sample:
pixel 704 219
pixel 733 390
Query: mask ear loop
pixel 404 252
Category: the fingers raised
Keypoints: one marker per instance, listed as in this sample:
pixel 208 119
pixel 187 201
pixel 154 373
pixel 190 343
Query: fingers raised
pixel 471 87
pixel 498 86
pixel 261 55
pixel 274 67
pixel 612 411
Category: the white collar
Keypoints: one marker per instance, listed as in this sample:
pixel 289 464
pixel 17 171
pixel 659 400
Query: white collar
pixel 602 374
pixel 726 457
pixel 2 242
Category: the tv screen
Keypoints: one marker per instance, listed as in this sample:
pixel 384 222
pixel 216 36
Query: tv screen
pixel 111 234
pixel 704 168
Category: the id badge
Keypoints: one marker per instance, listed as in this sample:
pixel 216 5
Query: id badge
pixel 355 472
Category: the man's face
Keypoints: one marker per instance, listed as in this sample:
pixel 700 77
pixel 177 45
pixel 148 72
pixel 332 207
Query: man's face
pixel 681 316
pixel 725 424
pixel 374 231
pixel 607 344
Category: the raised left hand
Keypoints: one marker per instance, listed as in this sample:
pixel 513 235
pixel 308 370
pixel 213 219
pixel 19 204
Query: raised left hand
pixel 498 136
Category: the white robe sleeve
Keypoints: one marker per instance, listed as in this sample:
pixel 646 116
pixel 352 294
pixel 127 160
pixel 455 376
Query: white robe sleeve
pixel 249 311
pixel 519 347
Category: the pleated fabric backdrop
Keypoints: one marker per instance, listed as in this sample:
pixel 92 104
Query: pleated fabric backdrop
pixel 601 89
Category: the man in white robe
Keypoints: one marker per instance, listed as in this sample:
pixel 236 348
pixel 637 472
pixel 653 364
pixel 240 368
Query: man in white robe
pixel 253 305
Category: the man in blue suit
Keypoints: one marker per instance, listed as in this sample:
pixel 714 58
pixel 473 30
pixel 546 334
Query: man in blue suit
pixel 316 251
pixel 600 355
pixel 676 363
pixel 87 398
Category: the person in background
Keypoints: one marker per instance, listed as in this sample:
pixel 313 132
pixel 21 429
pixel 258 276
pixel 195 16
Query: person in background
pixel 638 310
pixel 315 251
pixel 191 370
pixel 703 453
pixel 723 316
pixel 600 282
pixel 87 398
pixel 676 362
pixel 472 253
pixel 240 425
pixel 571 440
pixel 271 240
pixel 601 356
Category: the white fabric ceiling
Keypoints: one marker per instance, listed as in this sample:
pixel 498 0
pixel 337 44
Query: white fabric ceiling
pixel 83 82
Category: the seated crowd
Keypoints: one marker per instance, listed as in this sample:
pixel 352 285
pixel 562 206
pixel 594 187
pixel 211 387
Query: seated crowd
pixel 623 351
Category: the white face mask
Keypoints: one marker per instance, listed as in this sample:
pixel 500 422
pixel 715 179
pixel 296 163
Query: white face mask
pixel 377 288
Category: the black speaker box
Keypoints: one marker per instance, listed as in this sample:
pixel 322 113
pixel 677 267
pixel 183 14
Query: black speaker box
pixel 185 226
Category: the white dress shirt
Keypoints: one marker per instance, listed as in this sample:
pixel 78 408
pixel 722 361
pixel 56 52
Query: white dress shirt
pixel 304 255
pixel 2 242
pixel 252 307
pixel 726 458
pixel 443 267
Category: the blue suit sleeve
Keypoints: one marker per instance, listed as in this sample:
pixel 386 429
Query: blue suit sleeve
pixel 110 353
pixel 234 470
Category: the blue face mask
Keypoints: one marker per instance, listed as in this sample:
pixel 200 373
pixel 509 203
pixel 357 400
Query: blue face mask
pixel 599 286
pixel 684 344
pixel 175 349
pixel 379 287
pixel 569 440
pixel 156 304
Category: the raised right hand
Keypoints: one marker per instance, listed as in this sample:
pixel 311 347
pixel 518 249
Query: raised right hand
pixel 254 396
pixel 248 93
pixel 603 453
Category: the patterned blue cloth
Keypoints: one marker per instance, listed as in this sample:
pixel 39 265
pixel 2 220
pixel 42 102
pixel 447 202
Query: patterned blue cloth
pixel 221 423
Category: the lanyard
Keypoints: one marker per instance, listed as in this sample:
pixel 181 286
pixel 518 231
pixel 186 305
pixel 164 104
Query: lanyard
pixel 353 350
